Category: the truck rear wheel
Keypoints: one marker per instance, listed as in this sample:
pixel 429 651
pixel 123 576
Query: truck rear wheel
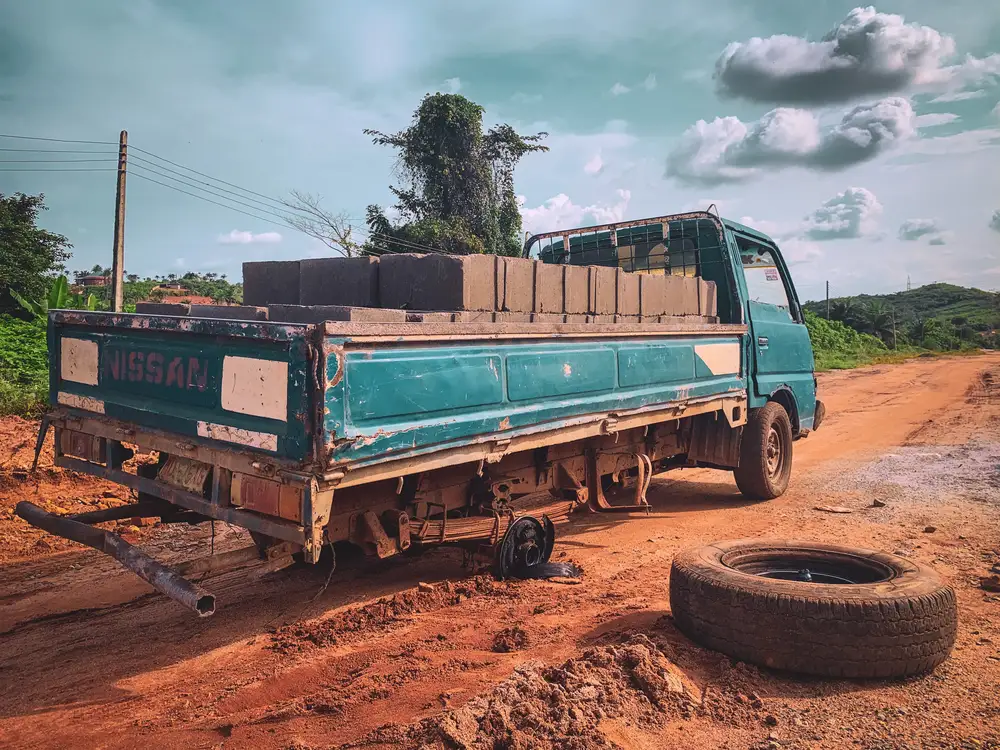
pixel 765 453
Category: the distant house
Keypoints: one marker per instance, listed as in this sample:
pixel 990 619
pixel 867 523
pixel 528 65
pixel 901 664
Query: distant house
pixel 92 280
pixel 172 286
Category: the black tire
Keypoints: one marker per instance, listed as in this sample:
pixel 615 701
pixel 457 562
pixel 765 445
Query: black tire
pixel 765 453
pixel 902 621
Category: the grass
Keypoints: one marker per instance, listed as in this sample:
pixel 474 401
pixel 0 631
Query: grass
pixel 24 367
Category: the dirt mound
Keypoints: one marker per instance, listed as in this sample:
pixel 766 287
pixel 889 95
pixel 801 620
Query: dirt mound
pixel 378 616
pixel 510 639
pixel 53 489
pixel 559 707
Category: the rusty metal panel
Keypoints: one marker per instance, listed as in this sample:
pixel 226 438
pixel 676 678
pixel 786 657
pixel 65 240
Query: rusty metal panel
pixel 267 496
pixel 82 445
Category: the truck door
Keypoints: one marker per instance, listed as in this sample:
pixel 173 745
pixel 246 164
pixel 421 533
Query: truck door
pixel 782 352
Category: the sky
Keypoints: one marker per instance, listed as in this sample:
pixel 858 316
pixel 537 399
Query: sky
pixel 865 140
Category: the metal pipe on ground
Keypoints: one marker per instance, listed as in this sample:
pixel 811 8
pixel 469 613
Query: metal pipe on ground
pixel 159 576
pixel 145 509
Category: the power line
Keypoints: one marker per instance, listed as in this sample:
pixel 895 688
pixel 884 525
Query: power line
pixel 202 174
pixel 41 169
pixel 56 140
pixel 57 151
pixel 54 161
pixel 190 180
pixel 217 195
pixel 207 200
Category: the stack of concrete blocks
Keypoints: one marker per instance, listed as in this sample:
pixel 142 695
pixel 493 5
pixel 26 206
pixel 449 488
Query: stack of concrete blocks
pixel 455 288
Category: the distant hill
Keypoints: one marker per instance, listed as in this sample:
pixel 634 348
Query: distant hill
pixel 943 302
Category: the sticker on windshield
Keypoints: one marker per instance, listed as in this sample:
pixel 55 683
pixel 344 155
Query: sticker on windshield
pixel 771 274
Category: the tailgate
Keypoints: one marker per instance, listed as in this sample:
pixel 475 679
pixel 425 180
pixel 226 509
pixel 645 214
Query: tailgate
pixel 225 381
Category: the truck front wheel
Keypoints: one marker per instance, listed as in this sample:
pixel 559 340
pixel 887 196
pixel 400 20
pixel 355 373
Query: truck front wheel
pixel 765 453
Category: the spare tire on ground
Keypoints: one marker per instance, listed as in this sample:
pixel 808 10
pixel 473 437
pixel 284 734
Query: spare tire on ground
pixel 814 608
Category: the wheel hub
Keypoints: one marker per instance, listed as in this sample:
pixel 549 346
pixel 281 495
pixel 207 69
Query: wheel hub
pixel 773 452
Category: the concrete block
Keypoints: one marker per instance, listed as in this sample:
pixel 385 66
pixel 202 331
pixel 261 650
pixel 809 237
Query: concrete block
pixel 348 282
pixel 271 282
pixel 429 317
pixel 628 294
pixel 549 288
pixel 516 285
pixel 548 318
pixel 512 317
pixel 473 316
pixel 577 318
pixel 576 294
pixel 634 319
pixel 337 313
pixel 438 282
pixel 652 295
pixel 708 299
pixel 162 308
pixel 603 290
pixel 687 296
pixel 600 319
pixel 229 312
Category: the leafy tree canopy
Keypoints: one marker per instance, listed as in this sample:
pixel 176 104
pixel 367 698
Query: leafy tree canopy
pixel 29 255
pixel 458 182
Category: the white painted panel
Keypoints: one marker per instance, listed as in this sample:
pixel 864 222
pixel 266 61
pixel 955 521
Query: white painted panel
pixel 78 360
pixel 258 387
pixel 720 359
pixel 263 440
pixel 81 402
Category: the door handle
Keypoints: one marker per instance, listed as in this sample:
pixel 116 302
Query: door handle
pixel 762 342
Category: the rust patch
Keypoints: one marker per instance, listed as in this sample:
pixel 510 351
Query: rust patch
pixel 504 423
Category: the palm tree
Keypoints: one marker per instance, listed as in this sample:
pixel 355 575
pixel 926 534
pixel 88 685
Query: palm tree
pixel 844 310
pixel 877 319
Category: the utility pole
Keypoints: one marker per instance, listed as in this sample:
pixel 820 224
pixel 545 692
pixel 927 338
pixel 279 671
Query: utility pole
pixel 118 261
pixel 827 300
pixel 907 282
pixel 893 312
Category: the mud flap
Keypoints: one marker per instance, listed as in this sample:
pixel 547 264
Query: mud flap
pixel 714 442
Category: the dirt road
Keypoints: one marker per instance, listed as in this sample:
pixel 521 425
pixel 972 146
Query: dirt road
pixel 89 658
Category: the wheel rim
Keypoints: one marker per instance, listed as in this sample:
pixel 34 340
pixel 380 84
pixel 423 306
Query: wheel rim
pixel 809 566
pixel 773 453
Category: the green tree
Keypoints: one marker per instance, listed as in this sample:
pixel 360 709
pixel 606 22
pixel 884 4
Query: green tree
pixel 29 255
pixel 458 182
pixel 875 318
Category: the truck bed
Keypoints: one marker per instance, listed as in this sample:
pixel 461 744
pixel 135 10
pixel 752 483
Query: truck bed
pixel 343 397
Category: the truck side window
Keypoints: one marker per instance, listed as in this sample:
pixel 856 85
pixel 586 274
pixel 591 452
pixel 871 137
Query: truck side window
pixel 763 277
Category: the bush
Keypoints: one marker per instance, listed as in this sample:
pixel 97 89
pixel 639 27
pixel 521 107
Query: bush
pixel 24 366
pixel 837 346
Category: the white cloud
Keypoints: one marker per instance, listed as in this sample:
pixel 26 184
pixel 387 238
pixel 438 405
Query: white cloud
pixel 238 237
pixel 995 221
pixel 797 250
pixel 867 53
pixel 650 83
pixel 454 85
pixel 965 142
pixel 559 212
pixel 914 229
pixel 996 111
pixel 935 119
pixel 619 88
pixel 594 165
pixel 773 229
pixel 727 150
pixel 959 96
pixel 848 215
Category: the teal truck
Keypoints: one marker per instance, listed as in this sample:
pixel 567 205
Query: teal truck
pixel 395 436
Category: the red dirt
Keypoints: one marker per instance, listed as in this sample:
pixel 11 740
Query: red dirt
pixel 91 658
